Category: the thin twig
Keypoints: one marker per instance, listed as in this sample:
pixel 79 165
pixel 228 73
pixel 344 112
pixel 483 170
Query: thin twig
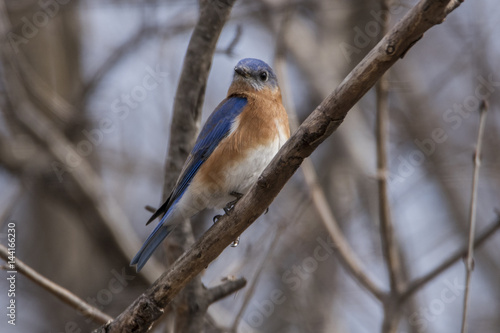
pixel 54 105
pixel 297 214
pixel 419 283
pixel 62 293
pixel 123 50
pixel 469 263
pixel 229 50
pixel 390 248
pixel 253 285
pixel 225 289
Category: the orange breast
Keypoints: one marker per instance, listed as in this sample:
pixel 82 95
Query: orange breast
pixel 258 125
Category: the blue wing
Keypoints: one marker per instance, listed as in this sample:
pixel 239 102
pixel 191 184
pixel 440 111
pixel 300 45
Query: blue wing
pixel 216 128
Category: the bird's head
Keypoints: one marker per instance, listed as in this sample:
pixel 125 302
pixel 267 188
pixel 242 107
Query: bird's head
pixel 255 74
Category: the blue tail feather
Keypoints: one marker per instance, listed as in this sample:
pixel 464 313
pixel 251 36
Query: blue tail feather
pixel 154 240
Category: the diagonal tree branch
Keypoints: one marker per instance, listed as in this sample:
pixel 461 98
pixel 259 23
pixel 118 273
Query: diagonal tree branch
pixel 225 289
pixel 316 128
pixel 419 283
pixel 62 293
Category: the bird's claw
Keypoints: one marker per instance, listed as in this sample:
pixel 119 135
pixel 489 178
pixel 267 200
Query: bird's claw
pixel 234 243
pixel 230 205
pixel 237 195
pixel 227 209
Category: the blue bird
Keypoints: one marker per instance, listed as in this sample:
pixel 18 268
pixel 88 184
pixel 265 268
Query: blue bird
pixel 237 142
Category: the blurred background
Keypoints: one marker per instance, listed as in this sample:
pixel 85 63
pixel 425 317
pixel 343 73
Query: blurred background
pixel 86 106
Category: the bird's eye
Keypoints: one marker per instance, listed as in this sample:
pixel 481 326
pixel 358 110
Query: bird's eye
pixel 263 76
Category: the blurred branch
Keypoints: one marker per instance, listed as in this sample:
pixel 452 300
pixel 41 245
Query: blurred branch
pixel 54 105
pixel 390 248
pixel 66 159
pixel 63 294
pixel 225 289
pixel 251 289
pixel 124 50
pixel 229 50
pixel 417 284
pixel 7 212
pixel 469 263
pixel 316 128
pixel 86 179
pixel 190 93
pixel 346 254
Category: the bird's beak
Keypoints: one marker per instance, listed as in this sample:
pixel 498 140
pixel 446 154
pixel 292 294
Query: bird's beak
pixel 241 71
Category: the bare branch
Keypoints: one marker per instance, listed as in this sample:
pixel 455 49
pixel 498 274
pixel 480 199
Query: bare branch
pixel 390 247
pixel 417 284
pixel 225 289
pixel 469 263
pixel 253 285
pixel 62 293
pixel 316 128
pixel 229 50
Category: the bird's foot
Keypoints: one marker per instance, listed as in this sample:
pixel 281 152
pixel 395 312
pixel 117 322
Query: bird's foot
pixel 227 209
pixel 234 243
pixel 266 211
pixel 230 205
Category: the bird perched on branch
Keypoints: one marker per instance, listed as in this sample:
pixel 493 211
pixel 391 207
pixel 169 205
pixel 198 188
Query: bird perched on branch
pixel 237 142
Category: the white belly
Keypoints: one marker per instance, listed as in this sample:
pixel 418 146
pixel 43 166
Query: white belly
pixel 240 177
pixel 237 178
